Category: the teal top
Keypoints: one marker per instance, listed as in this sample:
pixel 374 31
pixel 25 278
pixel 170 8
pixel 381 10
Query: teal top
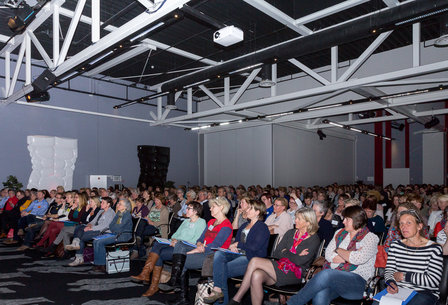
pixel 190 231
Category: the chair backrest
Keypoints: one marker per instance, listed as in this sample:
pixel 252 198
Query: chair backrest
pixel 443 289
pixel 321 250
pixel 273 241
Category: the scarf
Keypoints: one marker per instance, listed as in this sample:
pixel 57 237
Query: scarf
pixel 297 241
pixel 351 246
pixel 285 265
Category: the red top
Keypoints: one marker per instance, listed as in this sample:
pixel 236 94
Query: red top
pixel 212 231
pixel 11 203
pixel 438 228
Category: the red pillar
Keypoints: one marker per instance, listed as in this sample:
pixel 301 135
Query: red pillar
pixel 378 179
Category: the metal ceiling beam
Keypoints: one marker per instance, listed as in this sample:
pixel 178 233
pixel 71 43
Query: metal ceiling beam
pixel 124 31
pixel 44 13
pixel 353 83
pixel 278 15
pixel 120 59
pixel 392 102
pixel 308 71
pixel 329 11
pixel 360 122
pixel 364 56
pixel 345 32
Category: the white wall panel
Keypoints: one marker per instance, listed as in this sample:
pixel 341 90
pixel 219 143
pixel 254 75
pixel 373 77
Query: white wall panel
pixel 434 158
pixel 238 156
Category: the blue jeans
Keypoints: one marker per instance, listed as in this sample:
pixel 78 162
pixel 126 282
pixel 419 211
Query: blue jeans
pixel 165 252
pixel 420 299
pixel 85 236
pixel 329 284
pixel 226 265
pixel 99 249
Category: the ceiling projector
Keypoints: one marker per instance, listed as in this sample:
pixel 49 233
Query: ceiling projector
pixel 228 36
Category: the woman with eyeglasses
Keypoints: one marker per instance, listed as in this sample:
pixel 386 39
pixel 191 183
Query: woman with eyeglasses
pixel 414 262
pixel 280 221
pixel 394 232
pixel 190 230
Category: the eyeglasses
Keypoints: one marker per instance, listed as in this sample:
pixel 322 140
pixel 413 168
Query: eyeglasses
pixel 413 213
pixel 189 208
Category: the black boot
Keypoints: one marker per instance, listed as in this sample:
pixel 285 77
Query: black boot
pixel 49 250
pixel 183 298
pixel 176 271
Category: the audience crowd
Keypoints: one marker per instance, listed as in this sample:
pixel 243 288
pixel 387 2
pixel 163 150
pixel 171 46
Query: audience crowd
pixel 225 232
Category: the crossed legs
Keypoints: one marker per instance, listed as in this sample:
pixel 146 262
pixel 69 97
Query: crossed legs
pixel 259 271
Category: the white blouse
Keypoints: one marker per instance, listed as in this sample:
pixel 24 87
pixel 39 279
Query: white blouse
pixel 364 256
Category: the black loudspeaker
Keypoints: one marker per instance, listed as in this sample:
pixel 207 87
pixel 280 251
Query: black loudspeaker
pixel 154 162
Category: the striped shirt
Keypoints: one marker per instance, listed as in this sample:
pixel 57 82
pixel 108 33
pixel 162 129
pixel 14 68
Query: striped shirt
pixel 422 266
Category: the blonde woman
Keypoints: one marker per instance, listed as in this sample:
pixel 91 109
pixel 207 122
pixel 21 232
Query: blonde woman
pixel 294 254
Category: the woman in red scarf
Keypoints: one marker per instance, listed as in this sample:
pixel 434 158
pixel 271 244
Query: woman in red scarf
pixel 296 252
pixel 350 263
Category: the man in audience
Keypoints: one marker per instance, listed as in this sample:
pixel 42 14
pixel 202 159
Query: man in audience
pixel 202 199
pixel 6 210
pixel 37 208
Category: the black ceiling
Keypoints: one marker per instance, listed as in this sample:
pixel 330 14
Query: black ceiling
pixel 195 36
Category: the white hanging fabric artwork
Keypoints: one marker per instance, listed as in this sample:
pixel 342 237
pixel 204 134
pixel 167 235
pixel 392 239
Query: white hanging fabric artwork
pixel 53 162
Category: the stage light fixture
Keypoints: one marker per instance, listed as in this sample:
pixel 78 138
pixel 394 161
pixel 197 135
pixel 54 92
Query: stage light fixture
pixel 397 126
pixel 35 96
pixel 24 15
pixel 321 134
pixel 433 122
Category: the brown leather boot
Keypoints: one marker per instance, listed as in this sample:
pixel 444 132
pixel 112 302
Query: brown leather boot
pixel 154 287
pixel 147 269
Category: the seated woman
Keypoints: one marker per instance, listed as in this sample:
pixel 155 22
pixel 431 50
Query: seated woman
pixel 293 207
pixel 121 230
pixel 94 228
pixel 279 221
pixel 76 215
pixel 217 234
pixel 251 239
pixel 81 213
pixel 325 231
pixel 394 232
pixel 157 219
pixel 414 262
pixel 190 230
pixel 240 215
pixel 375 222
pixel 350 263
pixel 442 223
pixel 295 253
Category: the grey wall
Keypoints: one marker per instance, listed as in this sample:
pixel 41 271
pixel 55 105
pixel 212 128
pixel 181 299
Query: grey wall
pixel 105 145
pixel 277 155
pixel 242 156
pixel 300 158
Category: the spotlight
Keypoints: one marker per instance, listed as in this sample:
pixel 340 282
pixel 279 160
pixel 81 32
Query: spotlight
pixel 366 115
pixel 433 122
pixel 321 134
pixel 266 77
pixel 397 126
pixel 35 96
pixel 24 15
pixel 171 103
